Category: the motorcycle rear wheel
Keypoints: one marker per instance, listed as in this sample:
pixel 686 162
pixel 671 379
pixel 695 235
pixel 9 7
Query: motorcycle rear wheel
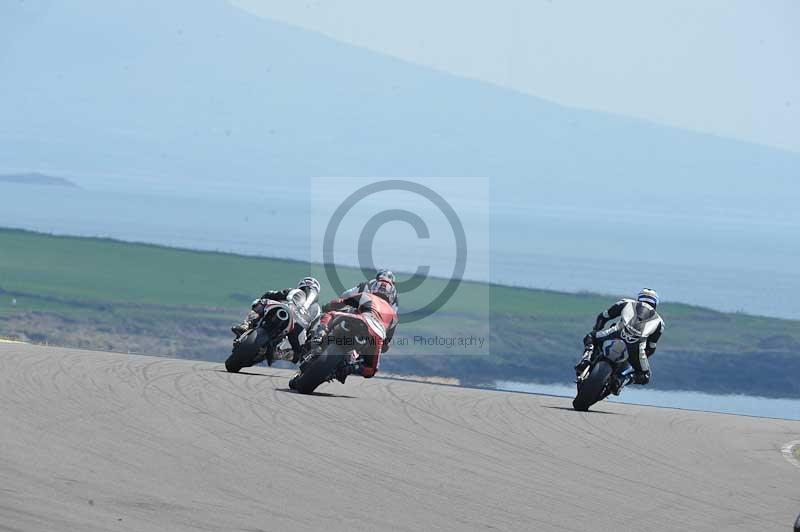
pixel 245 352
pixel 319 370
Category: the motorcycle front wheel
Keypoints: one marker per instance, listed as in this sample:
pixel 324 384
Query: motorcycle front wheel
pixel 590 390
pixel 320 369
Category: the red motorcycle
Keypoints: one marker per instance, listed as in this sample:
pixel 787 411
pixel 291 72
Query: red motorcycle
pixel 349 335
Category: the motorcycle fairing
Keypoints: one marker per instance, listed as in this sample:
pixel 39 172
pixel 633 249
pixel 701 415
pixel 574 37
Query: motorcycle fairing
pixel 615 351
pixel 278 318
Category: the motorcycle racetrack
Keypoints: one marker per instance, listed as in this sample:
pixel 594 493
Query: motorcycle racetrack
pixel 95 441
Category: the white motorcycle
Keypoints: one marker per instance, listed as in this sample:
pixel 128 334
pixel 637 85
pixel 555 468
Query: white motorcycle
pixel 268 338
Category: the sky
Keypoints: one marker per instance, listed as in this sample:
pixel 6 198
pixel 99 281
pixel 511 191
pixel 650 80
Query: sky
pixel 725 67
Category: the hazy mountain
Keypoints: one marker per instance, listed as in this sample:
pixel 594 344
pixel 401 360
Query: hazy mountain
pixel 202 91
pixel 36 179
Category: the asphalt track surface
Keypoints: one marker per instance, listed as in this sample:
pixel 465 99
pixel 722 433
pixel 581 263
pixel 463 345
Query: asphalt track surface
pixel 96 441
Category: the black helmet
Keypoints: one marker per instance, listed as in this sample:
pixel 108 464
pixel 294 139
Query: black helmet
pixel 383 289
pixel 385 275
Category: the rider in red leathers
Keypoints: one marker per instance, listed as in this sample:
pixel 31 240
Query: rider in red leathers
pixel 377 312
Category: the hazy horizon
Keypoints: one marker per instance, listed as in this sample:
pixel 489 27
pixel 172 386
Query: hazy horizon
pixel 724 68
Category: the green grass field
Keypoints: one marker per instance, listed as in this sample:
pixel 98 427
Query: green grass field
pixel 99 270
pixel 94 292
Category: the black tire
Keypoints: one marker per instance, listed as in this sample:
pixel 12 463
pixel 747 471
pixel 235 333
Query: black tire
pixel 245 351
pixel 319 370
pixel 591 390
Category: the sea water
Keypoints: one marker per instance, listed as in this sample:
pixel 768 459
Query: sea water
pixel 726 404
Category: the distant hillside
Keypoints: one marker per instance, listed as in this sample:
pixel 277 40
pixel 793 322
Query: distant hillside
pixel 202 91
pixel 36 179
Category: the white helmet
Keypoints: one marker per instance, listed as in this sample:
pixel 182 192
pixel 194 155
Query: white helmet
pixel 309 282
pixel 650 296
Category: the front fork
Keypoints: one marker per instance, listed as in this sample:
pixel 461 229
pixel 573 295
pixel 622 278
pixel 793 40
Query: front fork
pixel 585 361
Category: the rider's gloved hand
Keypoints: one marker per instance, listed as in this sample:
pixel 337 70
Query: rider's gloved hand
pixel 589 340
pixel 332 305
pixel 314 342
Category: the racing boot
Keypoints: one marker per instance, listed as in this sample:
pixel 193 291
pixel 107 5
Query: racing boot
pixel 240 328
pixel 313 344
pixel 619 382
pixel 344 370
